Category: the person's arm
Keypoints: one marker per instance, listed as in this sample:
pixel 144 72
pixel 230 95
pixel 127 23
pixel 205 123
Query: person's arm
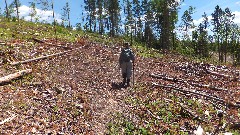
pixel 132 56
pixel 120 59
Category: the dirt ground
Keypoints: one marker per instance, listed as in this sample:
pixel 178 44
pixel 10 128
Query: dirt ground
pixel 78 92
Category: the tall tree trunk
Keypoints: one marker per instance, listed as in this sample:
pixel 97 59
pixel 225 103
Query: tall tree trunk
pixel 54 21
pixel 69 23
pixel 165 28
pixel 16 3
pixel 173 41
pixel 112 26
pixel 238 50
pixel 219 49
pixel 225 52
pixel 7 12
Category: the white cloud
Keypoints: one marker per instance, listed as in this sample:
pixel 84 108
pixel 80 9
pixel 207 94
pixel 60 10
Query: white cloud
pixel 197 22
pixel 44 16
pixel 200 20
pixel 24 11
pixel 238 3
pixel 237 17
pixel 183 4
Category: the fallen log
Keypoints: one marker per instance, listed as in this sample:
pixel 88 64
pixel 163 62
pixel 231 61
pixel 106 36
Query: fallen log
pixel 174 79
pixel 206 69
pixel 58 45
pixel 7 120
pixel 185 91
pixel 2 43
pixel 154 116
pixel 42 57
pixel 36 59
pixel 37 40
pixel 232 78
pixel 235 126
pixel 13 76
pixel 44 42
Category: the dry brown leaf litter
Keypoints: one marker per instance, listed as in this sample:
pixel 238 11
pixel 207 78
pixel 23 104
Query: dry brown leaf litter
pixel 72 93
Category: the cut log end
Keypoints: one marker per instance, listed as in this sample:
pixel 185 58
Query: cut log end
pixel 9 78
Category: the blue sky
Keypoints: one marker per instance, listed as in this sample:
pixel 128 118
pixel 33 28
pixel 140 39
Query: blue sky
pixel 208 6
pixel 76 7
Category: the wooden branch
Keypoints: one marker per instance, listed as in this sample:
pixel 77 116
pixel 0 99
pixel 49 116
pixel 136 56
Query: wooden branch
pixel 154 116
pixel 37 40
pixel 35 59
pixel 2 43
pixel 185 91
pixel 7 120
pixel 57 45
pixel 233 78
pixel 42 57
pixel 188 91
pixel 160 76
pixel 192 66
pixel 174 79
pixel 235 126
pixel 13 76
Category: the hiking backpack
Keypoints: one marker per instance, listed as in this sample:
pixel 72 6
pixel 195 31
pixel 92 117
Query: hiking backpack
pixel 126 55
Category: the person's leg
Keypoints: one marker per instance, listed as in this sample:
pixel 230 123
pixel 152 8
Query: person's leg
pixel 129 72
pixel 124 78
pixel 128 82
pixel 124 73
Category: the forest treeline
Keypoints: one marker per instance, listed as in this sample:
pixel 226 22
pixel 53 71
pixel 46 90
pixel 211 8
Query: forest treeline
pixel 154 23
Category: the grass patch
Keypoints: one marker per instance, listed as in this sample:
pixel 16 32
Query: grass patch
pixel 147 52
pixel 122 125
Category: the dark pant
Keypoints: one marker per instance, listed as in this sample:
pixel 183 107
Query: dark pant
pixel 125 79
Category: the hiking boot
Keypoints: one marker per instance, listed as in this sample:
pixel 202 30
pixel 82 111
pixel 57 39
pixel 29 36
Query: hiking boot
pixel 128 82
pixel 124 81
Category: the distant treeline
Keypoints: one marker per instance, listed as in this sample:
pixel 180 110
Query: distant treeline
pixel 152 22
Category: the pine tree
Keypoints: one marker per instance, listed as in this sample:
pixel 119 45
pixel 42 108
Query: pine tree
pixel 87 9
pixel 216 22
pixel 137 16
pixel 90 8
pixel 202 48
pixel 17 5
pixel 66 15
pixel 227 22
pixel 7 10
pixel 165 18
pixel 45 6
pixel 101 16
pixel 148 37
pixel 234 44
pixel 33 11
pixel 54 20
pixel 187 20
pixel 12 9
pixel 1 12
pixel 202 36
pixel 114 16
pixel 129 16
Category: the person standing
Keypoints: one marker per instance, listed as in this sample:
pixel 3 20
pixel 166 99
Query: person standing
pixel 126 62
